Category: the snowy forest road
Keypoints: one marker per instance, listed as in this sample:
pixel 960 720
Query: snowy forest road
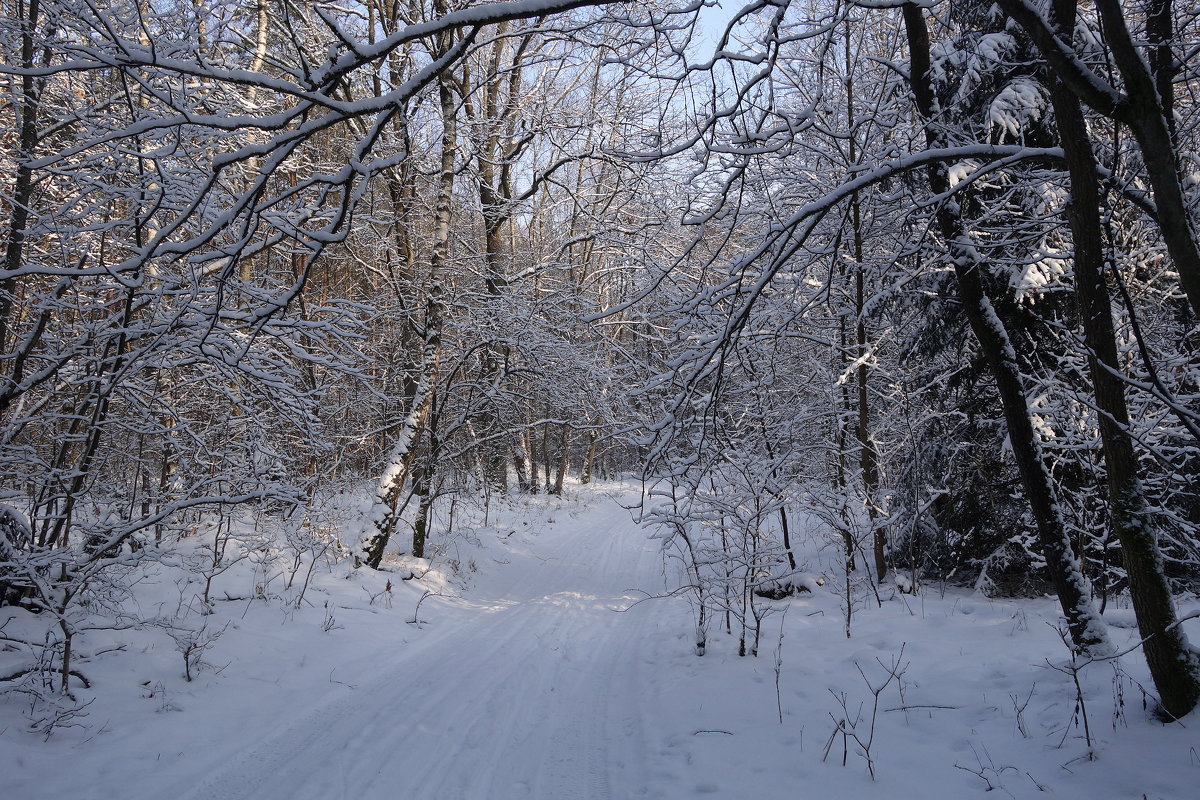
pixel 529 689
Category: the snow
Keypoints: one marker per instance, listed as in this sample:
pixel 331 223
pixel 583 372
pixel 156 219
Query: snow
pixel 551 661
pixel 1020 103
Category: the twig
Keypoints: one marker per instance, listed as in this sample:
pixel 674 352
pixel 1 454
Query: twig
pixel 924 705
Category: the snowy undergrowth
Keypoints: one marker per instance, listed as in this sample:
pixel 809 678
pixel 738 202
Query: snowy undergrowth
pixel 974 694
pixel 239 619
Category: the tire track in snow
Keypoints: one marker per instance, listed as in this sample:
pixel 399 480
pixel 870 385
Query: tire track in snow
pixel 535 695
pixel 600 746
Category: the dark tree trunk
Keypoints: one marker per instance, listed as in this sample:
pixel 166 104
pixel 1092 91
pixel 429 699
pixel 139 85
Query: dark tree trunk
pixel 1086 629
pixel 26 111
pixel 1174 668
pixel 589 458
pixel 564 459
pixel 868 463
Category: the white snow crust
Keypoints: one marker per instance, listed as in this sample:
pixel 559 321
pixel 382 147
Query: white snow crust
pixel 538 668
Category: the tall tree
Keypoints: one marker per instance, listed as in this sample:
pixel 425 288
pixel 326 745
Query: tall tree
pixel 1087 629
pixel 1174 666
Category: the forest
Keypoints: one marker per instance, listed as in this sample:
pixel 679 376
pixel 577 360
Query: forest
pixel 292 284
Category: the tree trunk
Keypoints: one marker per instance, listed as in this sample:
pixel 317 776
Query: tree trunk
pixel 1173 666
pixel 787 537
pixel 589 458
pixel 547 460
pixel 532 449
pixel 422 479
pixel 520 460
pixel 868 463
pixel 1086 628
pixel 564 459
pixel 419 388
pixel 25 109
pixel 842 470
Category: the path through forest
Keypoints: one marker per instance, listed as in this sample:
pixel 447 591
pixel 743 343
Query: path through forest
pixel 530 688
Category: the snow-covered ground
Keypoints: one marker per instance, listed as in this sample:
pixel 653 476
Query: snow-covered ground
pixel 533 672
